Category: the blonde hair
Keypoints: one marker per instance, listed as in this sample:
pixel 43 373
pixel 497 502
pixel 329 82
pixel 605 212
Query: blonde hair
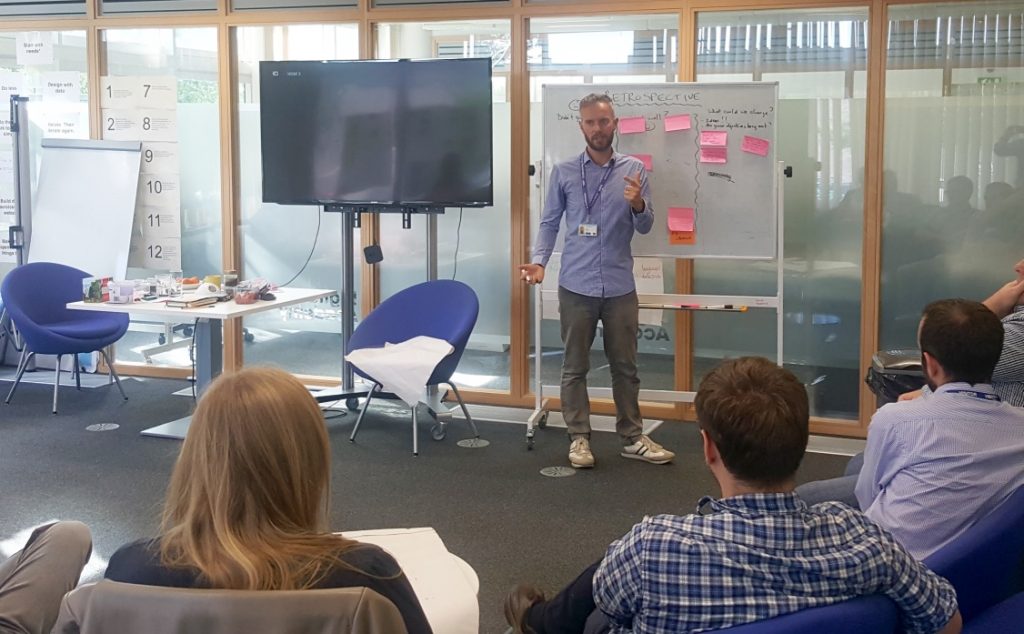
pixel 247 502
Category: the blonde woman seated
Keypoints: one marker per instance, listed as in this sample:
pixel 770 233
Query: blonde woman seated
pixel 247 504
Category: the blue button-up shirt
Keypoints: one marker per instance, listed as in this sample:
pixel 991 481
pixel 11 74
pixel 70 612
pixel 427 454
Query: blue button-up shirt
pixel 935 465
pixel 1008 377
pixel 601 265
pixel 753 557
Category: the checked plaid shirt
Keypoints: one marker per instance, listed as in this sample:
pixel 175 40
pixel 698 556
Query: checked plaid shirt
pixel 757 556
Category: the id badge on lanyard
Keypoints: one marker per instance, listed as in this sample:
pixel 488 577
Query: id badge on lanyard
pixel 589 229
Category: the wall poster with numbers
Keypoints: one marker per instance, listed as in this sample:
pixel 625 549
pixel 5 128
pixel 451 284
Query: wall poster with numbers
pixel 144 108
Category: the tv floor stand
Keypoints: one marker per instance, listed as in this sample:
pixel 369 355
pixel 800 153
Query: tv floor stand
pixel 349 391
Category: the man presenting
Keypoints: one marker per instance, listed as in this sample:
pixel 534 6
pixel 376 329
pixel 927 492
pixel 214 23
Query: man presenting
pixel 596 278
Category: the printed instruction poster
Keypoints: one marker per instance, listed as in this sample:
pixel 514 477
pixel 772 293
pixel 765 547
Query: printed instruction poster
pixel 144 108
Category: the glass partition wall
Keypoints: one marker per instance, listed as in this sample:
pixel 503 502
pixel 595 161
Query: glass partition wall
pixel 190 57
pixel 953 118
pixel 818 57
pixel 473 244
pixel 298 245
pixel 954 157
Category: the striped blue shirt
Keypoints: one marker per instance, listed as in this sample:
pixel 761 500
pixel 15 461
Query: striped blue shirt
pixel 936 464
pixel 601 265
pixel 1008 378
pixel 753 557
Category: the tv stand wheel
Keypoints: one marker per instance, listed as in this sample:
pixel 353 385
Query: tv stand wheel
pixel 352 403
pixel 438 431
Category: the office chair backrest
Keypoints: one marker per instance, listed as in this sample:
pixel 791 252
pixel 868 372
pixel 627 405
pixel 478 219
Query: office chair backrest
pixel 41 288
pixel 986 563
pixel 445 309
pixel 876 614
pixel 109 607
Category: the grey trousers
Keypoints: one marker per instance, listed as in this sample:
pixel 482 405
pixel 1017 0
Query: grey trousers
pixel 35 579
pixel 839 489
pixel 619 317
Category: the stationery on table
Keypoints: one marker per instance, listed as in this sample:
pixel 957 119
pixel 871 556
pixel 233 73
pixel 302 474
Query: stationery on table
pixel 191 301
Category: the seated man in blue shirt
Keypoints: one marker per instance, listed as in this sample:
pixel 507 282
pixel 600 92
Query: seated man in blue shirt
pixel 756 553
pixel 935 465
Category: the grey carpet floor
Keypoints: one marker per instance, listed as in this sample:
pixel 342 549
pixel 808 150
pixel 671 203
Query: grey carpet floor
pixel 491 506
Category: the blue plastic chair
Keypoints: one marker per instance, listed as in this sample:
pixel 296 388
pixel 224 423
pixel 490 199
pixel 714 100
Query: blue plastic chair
pixel 875 613
pixel 444 309
pixel 999 619
pixel 986 563
pixel 35 296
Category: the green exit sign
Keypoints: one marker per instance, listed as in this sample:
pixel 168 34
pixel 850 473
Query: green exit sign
pixel 990 80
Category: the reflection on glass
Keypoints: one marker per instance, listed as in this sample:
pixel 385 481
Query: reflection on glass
pixel 820 121
pixel 954 158
pixel 601 50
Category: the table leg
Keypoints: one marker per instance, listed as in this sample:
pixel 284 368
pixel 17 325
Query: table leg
pixel 209 363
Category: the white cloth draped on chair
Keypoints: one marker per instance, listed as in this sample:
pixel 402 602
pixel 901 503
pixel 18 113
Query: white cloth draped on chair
pixel 403 368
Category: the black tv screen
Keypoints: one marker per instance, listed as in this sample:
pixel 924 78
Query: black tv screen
pixel 389 132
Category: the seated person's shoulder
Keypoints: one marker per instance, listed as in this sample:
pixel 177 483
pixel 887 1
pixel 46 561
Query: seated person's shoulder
pixel 139 562
pixel 370 559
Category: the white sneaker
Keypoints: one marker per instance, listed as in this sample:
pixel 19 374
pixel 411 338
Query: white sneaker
pixel 647 450
pixel 579 454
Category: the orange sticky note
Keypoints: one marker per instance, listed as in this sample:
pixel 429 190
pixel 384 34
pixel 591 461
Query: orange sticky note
pixel 647 160
pixel 716 138
pixel 755 145
pixel 677 122
pixel 713 154
pixel 632 125
pixel 682 237
pixel 680 219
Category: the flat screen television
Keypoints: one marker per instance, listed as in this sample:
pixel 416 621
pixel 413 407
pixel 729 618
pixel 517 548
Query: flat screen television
pixel 385 133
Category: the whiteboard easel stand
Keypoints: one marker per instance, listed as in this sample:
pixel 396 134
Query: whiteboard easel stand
pixel 539 416
pixel 22 210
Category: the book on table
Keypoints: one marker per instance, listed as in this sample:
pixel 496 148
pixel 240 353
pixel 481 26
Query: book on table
pixel 191 301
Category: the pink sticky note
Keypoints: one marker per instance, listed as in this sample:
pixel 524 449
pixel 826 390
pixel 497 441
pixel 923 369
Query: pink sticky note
pixel 680 219
pixel 647 160
pixel 713 154
pixel 632 125
pixel 717 138
pixel 755 145
pixel 677 122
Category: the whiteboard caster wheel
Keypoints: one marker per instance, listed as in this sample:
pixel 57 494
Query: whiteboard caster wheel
pixel 438 431
pixel 187 332
pixel 542 422
pixel 529 443
pixel 249 337
pixel 352 404
pixel 161 339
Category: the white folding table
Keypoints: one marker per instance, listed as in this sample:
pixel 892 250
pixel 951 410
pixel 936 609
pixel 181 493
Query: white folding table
pixel 208 334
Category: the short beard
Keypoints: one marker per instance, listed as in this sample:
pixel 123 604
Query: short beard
pixel 607 146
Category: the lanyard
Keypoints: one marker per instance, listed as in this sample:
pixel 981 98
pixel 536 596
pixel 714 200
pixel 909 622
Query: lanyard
pixel 976 394
pixel 589 202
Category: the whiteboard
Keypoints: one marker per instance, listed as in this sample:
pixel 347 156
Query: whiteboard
pixel 84 205
pixel 734 202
